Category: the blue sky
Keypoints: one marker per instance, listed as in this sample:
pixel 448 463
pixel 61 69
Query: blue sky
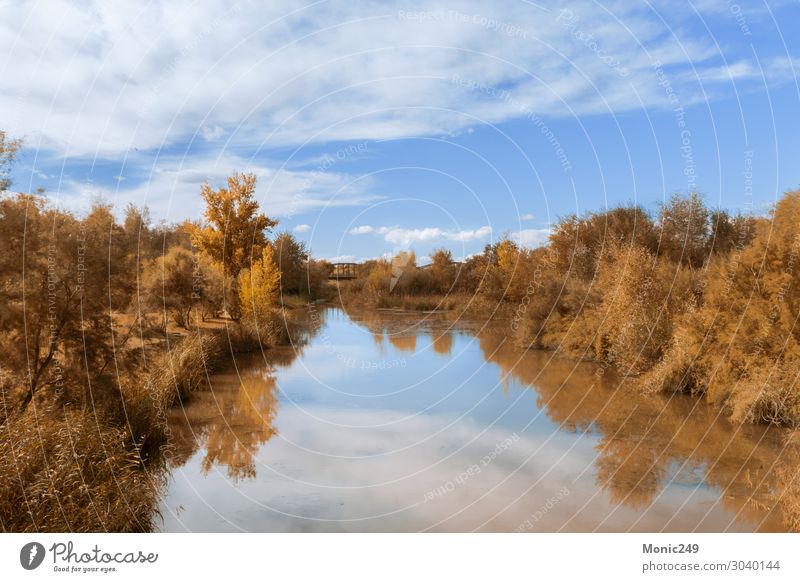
pixel 376 127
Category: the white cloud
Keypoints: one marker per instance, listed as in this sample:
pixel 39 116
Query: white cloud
pixel 171 188
pixel 406 236
pixel 531 237
pixel 362 230
pixel 391 459
pixel 112 77
pixel 301 228
pixel 468 235
pixel 527 217
pixel 212 134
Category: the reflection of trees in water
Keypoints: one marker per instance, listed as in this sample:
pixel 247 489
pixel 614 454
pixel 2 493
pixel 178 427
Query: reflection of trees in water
pixel 231 422
pixel 248 415
pixel 787 489
pixel 635 479
pixel 645 442
pixel 443 343
pixel 393 322
pixel 648 441
pixel 235 418
pixel 403 328
pixel 404 343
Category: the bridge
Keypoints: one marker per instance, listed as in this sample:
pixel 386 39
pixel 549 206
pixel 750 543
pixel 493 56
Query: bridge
pixel 344 271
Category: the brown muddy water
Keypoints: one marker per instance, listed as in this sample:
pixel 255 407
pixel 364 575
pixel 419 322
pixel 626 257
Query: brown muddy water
pixel 396 422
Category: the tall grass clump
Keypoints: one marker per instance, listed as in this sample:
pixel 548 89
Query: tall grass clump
pixel 170 377
pixel 68 470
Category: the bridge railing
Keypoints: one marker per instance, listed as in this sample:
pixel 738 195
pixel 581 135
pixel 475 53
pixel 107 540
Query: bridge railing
pixel 344 271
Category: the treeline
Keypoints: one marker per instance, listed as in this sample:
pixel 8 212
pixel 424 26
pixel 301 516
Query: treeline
pixel 690 299
pixel 105 324
pixel 400 282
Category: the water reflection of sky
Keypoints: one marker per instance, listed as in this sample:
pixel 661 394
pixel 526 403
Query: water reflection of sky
pixel 378 427
pixel 410 383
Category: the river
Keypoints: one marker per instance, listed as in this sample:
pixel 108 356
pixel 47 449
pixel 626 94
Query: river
pixel 387 421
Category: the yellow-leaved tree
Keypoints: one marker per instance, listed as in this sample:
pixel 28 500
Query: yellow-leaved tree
pixel 234 232
pixel 259 287
pixel 501 259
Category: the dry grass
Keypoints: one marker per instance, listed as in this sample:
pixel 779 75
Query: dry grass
pixel 170 377
pixel 354 298
pixel 65 470
pixel 428 302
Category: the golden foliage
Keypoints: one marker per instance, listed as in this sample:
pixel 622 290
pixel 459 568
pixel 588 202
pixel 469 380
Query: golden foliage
pixel 740 345
pixel 259 287
pixel 235 231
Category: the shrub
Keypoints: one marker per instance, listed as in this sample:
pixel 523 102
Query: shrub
pixel 640 298
pixel 174 284
pixel 740 345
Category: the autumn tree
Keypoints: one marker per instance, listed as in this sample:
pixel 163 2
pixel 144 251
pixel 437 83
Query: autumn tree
pixel 292 258
pixel 8 149
pixel 684 227
pixel 137 227
pixel 442 270
pixel 639 300
pixel 729 233
pixel 34 275
pixel 379 277
pixel 468 276
pixel 580 242
pixel 501 263
pixel 234 232
pixel 259 287
pixel 174 285
pixel 215 286
pixel 318 273
pixel 65 282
